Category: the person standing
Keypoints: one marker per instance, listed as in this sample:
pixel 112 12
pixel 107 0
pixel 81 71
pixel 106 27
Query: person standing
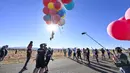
pixel 114 51
pixel 69 52
pixel 16 51
pixel 84 53
pixel 122 61
pixel 74 53
pixel 109 54
pixel 29 52
pixel 96 55
pixel 3 52
pixel 49 54
pixel 64 50
pixel 79 54
pixel 40 59
pixel 88 55
pixel 103 53
pixel 93 51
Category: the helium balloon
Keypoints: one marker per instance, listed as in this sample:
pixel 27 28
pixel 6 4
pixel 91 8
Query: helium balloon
pixel 53 1
pixel 127 14
pixel 61 22
pixel 55 18
pixel 128 21
pixel 119 30
pixel 61 12
pixel 57 5
pixel 66 1
pixel 52 11
pixel 45 2
pixel 47 17
pixel 51 5
pixel 122 18
pixel 48 22
pixel 46 10
pixel 63 16
pixel 69 6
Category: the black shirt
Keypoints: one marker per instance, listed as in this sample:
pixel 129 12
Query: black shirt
pixel 41 53
pixel 78 52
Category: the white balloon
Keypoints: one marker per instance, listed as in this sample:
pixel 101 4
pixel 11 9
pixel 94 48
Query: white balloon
pixel 61 22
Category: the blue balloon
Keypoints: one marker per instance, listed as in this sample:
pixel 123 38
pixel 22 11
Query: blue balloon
pixel 69 6
pixel 61 12
pixel 47 17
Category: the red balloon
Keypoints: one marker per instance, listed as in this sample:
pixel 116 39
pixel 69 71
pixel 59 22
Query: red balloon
pixel 46 2
pixel 122 18
pixel 46 10
pixel 119 30
pixel 57 5
pixel 128 21
pixel 127 14
pixel 55 18
pixel 66 1
pixel 53 1
pixel 52 12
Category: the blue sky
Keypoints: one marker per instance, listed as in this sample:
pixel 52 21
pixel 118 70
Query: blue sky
pixel 22 21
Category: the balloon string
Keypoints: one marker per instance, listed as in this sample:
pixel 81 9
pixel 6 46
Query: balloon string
pixel 60 30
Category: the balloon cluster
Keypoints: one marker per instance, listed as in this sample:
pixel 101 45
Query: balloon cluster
pixel 54 11
pixel 120 29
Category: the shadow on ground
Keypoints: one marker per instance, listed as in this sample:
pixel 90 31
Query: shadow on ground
pixel 98 66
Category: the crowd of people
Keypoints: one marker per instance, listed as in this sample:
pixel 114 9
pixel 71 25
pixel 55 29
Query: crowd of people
pixel 85 53
pixel 120 58
pixel 44 55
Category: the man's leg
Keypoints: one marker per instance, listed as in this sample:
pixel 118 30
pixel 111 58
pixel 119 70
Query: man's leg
pixel 88 58
pixel 28 58
pixel 36 70
pixel 81 58
pixel 96 58
pixel 109 56
pixel 41 70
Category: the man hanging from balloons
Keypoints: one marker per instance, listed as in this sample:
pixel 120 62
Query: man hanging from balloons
pixel 55 11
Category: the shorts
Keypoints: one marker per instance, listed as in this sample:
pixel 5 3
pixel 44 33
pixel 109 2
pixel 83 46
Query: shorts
pixel 40 63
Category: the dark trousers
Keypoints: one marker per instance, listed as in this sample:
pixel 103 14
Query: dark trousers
pixel 96 58
pixel 47 60
pixel 79 56
pixel 109 55
pixel 28 58
pixel 88 58
pixel 74 55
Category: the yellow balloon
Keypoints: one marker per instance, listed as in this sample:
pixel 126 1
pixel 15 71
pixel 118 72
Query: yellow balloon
pixel 51 5
pixel 63 16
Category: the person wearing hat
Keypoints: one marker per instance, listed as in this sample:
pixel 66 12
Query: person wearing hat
pixel 40 60
pixel 123 61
